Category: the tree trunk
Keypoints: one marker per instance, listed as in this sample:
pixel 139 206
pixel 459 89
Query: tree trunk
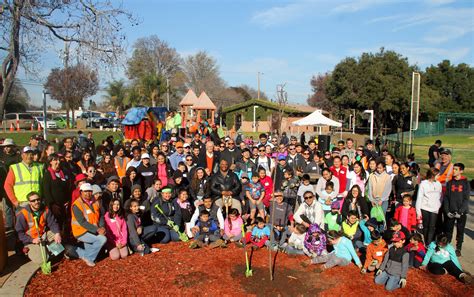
pixel 11 61
pixel 68 122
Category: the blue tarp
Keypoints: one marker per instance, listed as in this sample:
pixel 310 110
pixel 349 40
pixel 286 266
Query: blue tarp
pixel 136 114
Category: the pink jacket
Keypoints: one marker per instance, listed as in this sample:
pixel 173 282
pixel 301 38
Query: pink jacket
pixel 236 227
pixel 116 230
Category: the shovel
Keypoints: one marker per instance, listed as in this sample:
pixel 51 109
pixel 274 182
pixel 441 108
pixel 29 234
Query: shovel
pixel 45 266
pixel 248 271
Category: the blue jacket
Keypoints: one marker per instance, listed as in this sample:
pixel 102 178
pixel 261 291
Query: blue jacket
pixel 443 255
pixel 259 233
pixel 345 249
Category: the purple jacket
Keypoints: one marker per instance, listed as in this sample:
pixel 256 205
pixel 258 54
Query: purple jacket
pixel 315 245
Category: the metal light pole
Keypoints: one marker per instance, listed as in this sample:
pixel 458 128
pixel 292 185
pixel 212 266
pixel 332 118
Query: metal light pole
pixel 354 122
pixel 254 119
pixel 258 83
pixel 168 93
pixel 45 133
pixel 371 112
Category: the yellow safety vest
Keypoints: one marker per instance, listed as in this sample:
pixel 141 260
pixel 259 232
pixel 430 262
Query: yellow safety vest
pixel 26 180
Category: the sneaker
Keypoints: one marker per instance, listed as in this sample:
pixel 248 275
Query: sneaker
pixel 216 243
pixel 465 278
pixel 193 245
pixel 154 249
pixel 458 253
pixel 88 263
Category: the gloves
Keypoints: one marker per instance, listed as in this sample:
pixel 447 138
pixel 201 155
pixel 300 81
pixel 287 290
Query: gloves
pixel 457 215
pixel 378 272
pixel 450 215
pixel 402 282
pixel 363 271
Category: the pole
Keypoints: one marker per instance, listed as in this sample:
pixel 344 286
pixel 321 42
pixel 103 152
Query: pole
pixel 254 119
pixel 371 125
pixel 354 122
pixel 45 134
pixel 168 93
pixel 258 89
pixel 411 109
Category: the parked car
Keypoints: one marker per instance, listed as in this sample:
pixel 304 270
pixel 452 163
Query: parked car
pixel 50 124
pixel 104 122
pixel 24 120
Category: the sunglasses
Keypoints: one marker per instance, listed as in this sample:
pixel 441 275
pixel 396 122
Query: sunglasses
pixel 305 153
pixel 291 148
pixel 189 159
pixel 261 150
pixel 179 147
pixel 35 200
pixel 276 196
pixel 230 143
pixel 222 146
pixel 308 197
pixel 187 148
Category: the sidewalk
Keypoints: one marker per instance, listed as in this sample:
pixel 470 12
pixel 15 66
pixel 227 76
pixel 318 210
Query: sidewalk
pixel 467 259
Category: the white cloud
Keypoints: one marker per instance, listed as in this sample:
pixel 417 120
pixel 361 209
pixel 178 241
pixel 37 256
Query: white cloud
pixel 283 14
pixel 443 34
pixel 438 2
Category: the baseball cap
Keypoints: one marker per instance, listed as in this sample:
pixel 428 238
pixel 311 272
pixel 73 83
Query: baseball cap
pixel 96 189
pixel 113 178
pixel 27 149
pixel 281 157
pixel 166 190
pixel 244 175
pixel 8 142
pixel 145 156
pixel 80 177
pixel 86 187
pixel 186 145
pixel 445 152
pixel 398 236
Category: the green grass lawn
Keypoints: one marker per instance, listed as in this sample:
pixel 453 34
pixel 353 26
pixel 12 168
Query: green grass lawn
pixel 22 138
pixel 461 146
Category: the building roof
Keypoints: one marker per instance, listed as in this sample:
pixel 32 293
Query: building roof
pixel 289 109
pixel 204 103
pixel 189 99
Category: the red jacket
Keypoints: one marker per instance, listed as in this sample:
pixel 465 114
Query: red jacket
pixel 341 176
pixel 411 222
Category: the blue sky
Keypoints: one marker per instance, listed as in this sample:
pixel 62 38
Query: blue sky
pixel 289 41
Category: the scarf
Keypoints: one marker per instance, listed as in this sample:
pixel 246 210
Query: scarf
pixel 55 174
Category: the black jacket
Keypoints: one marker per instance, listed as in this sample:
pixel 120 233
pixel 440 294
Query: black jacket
pixel 231 156
pixel 229 182
pixel 202 162
pixel 361 203
pixel 456 198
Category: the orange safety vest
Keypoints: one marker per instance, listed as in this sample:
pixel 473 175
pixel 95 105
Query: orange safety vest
pixel 32 228
pixel 121 166
pixel 446 176
pixel 91 214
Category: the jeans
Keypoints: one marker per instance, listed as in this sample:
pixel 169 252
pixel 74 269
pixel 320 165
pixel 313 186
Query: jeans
pixel 460 225
pixel 9 213
pixel 330 260
pixel 92 246
pixel 167 233
pixel 439 269
pixel 391 282
pixel 384 207
pixel 429 225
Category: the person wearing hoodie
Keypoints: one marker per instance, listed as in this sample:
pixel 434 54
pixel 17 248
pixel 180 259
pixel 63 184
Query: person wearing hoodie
pixel 441 259
pixel 394 268
pixel 380 187
pixel 171 211
pixel 456 203
pixel 428 204
pixel 375 253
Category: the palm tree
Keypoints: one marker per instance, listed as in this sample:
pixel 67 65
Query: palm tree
pixel 151 87
pixel 117 96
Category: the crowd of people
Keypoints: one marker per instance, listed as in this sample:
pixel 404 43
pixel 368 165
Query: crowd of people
pixel 347 204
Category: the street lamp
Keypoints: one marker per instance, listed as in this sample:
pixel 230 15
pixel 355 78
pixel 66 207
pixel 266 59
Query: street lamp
pixel 45 134
pixel 254 119
pixel 371 112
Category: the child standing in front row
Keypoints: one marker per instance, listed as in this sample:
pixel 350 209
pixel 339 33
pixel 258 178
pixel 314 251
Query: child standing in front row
pixel 342 254
pixel 406 214
pixel 255 193
pixel 304 187
pixel 333 219
pixel 325 198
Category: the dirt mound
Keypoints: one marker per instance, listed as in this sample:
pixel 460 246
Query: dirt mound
pixel 176 270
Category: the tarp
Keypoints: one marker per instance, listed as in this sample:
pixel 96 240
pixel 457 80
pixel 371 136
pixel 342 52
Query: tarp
pixel 136 114
pixel 316 119
pixel 144 122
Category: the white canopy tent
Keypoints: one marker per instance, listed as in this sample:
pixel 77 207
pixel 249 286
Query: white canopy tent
pixel 316 119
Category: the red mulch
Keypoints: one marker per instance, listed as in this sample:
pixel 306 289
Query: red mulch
pixel 176 270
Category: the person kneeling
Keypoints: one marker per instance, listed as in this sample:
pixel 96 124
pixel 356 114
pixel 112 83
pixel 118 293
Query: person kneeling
pixel 87 225
pixel 207 232
pixel 36 225
pixel 394 268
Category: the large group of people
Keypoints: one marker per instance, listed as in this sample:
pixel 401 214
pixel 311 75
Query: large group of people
pixel 347 204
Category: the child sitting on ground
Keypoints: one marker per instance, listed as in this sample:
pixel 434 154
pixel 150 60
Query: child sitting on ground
pixel 416 249
pixel 296 241
pixel 255 193
pixel 233 226
pixel 304 187
pixel 205 235
pixel 350 227
pixel 342 254
pixel 333 219
pixel 314 241
pixel 375 253
pixel 137 234
pixel 406 214
pixel 394 268
pixel 325 197
pixel 259 236
pixel 441 258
